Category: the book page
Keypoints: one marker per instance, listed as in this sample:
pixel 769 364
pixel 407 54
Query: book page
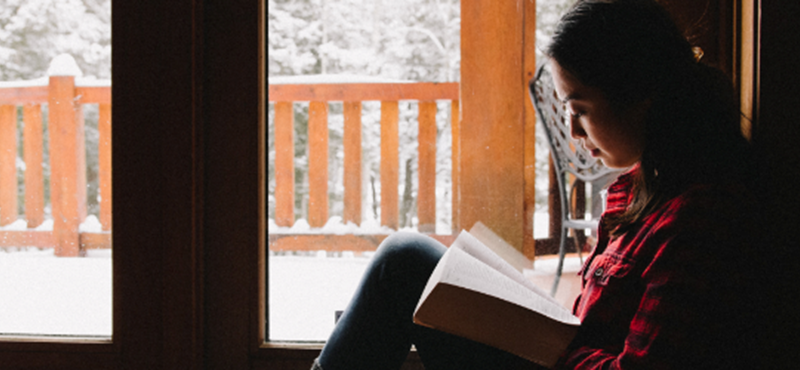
pixel 472 246
pixel 499 246
pixel 462 269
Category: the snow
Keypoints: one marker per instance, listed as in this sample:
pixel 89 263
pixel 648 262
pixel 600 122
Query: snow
pixel 43 294
pixel 306 291
pixel 42 81
pixel 64 65
pixel 89 81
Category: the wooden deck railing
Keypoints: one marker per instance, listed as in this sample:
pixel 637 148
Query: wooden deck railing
pixel 65 119
pixel 352 95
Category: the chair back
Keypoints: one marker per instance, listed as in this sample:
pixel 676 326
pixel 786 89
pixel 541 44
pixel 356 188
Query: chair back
pixel 569 156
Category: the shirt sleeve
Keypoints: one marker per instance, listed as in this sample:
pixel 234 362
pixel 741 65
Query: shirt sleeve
pixel 681 318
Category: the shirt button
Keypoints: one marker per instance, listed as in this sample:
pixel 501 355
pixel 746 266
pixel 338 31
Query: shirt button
pixel 598 272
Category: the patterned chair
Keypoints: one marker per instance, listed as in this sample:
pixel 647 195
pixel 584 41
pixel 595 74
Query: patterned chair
pixel 569 157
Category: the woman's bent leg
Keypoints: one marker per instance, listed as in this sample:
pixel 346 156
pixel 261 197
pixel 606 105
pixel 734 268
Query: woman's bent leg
pixel 375 331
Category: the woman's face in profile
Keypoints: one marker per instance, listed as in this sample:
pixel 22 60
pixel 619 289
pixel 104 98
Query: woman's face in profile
pixel 616 139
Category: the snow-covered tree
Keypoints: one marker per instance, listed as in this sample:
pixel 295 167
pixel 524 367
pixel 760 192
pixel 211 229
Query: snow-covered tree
pixel 32 33
pixel 416 40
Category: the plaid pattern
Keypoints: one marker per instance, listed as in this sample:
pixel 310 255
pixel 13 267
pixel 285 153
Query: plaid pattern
pixel 660 296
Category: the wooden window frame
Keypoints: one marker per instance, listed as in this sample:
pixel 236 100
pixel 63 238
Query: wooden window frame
pixel 189 188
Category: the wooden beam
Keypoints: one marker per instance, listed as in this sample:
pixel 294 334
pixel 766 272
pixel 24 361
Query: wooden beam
pixel 93 94
pixel 329 242
pixel 529 65
pixel 24 95
pixel 492 129
pixel 65 164
pixel 364 91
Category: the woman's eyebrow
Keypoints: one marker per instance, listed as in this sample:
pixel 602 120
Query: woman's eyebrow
pixel 573 96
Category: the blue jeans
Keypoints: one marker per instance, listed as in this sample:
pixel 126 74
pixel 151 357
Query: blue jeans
pixel 376 331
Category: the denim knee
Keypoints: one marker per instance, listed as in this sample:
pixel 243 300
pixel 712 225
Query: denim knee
pixel 410 248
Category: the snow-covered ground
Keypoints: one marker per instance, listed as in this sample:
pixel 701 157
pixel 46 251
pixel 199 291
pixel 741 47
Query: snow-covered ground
pixel 41 294
pixel 306 291
pixel 44 294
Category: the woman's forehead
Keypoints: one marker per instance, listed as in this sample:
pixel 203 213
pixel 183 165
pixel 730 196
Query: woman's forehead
pixel 569 88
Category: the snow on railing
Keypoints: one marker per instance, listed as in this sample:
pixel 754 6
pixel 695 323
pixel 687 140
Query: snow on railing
pixel 65 91
pixel 319 91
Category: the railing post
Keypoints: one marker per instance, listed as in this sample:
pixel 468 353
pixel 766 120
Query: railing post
pixel 104 163
pixel 67 156
pixel 34 180
pixel 8 168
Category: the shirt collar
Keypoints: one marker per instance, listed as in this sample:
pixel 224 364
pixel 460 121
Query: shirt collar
pixel 620 191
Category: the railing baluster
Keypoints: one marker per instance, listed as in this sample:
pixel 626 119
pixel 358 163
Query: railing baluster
pixel 8 168
pixel 284 164
pixel 317 163
pixel 33 154
pixel 390 160
pixel 352 162
pixel 455 130
pixel 104 164
pixel 426 193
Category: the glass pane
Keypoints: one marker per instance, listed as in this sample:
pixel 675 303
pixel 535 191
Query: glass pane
pixel 55 168
pixel 318 252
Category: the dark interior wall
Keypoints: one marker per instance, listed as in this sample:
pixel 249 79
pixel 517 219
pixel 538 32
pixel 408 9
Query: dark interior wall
pixel 706 23
pixel 776 137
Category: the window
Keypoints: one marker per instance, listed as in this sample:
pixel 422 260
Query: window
pixel 55 192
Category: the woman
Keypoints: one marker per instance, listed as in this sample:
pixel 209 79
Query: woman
pixel 663 288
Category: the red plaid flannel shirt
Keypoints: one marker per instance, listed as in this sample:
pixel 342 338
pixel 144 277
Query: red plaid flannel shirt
pixel 667 293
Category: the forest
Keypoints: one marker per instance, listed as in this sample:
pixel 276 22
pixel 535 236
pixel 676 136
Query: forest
pixel 32 33
pixel 409 40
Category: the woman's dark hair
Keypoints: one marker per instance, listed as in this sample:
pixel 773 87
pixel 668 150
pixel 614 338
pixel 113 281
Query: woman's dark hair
pixel 632 50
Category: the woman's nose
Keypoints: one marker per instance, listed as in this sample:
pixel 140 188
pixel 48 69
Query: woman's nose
pixel 575 128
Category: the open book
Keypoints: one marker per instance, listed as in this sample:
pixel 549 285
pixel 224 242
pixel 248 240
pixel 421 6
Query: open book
pixel 477 291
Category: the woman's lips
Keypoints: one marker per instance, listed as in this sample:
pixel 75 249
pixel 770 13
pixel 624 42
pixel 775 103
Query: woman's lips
pixel 595 152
